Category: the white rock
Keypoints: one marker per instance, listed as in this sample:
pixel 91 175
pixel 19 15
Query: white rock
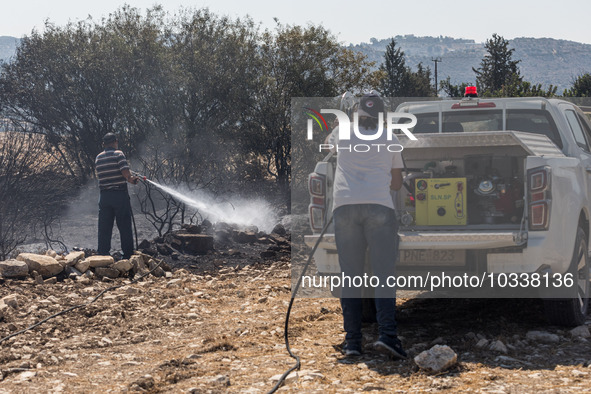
pixel 542 336
pixel 45 265
pixel 100 261
pixel 581 332
pixel 73 257
pixel 498 346
pixel 122 265
pixel 82 265
pixel 437 359
pixel 13 268
pixel 303 374
pixel 11 300
pixel 138 262
pixel 51 253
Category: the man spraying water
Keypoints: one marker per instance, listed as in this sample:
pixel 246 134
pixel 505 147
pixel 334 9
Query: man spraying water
pixel 113 174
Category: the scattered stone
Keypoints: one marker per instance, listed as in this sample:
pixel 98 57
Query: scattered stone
pixel 481 344
pixel 50 281
pixel 221 379
pixel 164 249
pixel 137 262
pixel 107 272
pixel 438 341
pixel 146 382
pixel 437 359
pixel 196 243
pixel 580 332
pixel 542 336
pixel 223 236
pixel 51 253
pixel 73 257
pixel 145 244
pixel 100 261
pixel 471 336
pixel 72 272
pixel 498 346
pixel 11 300
pixel 279 230
pixel 14 268
pixel 37 278
pixel 46 266
pixel 82 266
pixel 122 266
pixel 191 228
pixel 295 375
pixel 174 282
pixel 245 237
pixel 157 271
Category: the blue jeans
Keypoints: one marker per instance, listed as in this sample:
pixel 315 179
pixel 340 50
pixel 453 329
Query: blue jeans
pixel 370 228
pixel 114 205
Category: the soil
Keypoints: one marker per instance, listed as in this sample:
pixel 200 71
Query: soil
pixel 217 326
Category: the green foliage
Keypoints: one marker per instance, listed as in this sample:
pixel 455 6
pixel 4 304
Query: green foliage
pixel 398 80
pixel 497 68
pixel 581 87
pixel 195 98
pixel 451 90
pixel 498 76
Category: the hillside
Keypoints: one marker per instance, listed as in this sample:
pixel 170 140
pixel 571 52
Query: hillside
pixel 543 60
pixel 7 47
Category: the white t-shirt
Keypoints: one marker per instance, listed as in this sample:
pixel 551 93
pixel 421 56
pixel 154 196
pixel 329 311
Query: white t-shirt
pixel 364 177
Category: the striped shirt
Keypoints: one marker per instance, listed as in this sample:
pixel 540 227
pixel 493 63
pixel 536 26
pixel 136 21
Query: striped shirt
pixel 109 165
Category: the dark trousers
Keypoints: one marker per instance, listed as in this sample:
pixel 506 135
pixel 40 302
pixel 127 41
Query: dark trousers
pixel 371 229
pixel 114 205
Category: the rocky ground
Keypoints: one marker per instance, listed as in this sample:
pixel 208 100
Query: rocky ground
pixel 216 325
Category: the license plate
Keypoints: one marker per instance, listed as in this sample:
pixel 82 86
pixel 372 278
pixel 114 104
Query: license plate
pixel 432 257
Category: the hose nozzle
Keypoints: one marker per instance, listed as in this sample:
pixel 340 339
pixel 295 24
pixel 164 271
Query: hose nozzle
pixel 142 177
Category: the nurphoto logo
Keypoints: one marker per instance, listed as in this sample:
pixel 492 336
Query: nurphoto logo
pixel 344 129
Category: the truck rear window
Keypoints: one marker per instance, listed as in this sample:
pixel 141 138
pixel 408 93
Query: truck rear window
pixel 536 121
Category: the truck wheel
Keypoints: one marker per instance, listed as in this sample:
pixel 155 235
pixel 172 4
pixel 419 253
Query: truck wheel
pixel 573 311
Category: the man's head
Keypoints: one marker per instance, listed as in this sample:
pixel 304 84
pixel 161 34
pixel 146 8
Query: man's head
pixel 370 106
pixel 110 140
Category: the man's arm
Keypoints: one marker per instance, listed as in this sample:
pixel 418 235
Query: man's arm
pixel 396 183
pixel 130 178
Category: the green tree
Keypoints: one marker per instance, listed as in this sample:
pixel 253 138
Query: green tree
pixel 420 82
pixel 295 62
pixel 451 90
pixel 396 75
pixel 497 68
pixel 76 83
pixel 581 87
pixel 398 80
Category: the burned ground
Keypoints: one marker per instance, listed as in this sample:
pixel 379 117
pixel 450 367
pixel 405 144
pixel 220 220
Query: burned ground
pixel 217 325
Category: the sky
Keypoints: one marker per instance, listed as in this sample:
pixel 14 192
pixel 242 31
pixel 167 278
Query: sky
pixel 351 21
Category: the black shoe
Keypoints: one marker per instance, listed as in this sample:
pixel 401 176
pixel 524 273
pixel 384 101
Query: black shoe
pixel 391 346
pixel 352 349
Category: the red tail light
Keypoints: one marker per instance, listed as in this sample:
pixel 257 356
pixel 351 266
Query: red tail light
pixel 317 207
pixel 539 197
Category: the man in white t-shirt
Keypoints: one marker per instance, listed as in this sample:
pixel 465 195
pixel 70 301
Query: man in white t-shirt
pixel 365 220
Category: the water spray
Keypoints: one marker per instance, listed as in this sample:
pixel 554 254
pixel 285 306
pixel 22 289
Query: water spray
pixel 239 211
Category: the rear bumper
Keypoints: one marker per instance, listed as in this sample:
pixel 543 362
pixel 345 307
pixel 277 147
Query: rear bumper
pixel 442 240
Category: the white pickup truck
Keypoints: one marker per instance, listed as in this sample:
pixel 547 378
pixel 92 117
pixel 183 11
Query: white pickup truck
pixel 497 188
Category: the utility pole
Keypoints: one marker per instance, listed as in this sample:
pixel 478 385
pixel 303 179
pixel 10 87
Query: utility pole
pixel 436 60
